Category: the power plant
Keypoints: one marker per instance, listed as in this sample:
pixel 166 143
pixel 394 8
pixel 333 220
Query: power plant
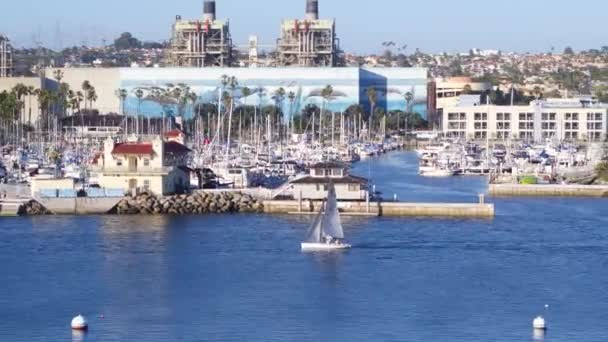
pixel 6 57
pixel 309 42
pixel 201 43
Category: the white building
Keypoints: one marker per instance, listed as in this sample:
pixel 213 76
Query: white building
pixel 158 166
pixel 559 119
pixel 314 186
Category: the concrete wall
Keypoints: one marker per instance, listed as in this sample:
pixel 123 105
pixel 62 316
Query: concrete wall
pixel 390 209
pixel 79 206
pixel 549 190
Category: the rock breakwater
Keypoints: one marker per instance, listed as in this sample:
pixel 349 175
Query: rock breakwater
pixel 197 203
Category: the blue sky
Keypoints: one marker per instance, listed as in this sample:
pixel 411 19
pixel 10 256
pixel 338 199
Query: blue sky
pixel 432 26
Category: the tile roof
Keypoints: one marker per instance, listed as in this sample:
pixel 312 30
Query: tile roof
pixel 132 148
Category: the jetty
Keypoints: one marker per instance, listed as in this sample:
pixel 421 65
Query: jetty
pixel 548 190
pixel 385 209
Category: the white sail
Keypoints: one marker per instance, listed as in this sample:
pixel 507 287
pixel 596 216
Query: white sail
pixel 331 224
pixel 314 232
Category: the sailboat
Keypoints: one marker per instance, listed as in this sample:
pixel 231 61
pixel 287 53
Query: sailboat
pixel 326 233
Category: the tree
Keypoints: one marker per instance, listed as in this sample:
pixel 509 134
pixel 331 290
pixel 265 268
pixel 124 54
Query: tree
pixel 126 41
pixel 86 88
pixel 292 98
pixel 568 51
pixel 537 92
pixel 467 89
pixel 327 94
pixel 122 96
pixel 372 96
pixel 408 108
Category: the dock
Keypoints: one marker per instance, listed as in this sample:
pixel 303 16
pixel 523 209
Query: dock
pixel 548 190
pixel 385 209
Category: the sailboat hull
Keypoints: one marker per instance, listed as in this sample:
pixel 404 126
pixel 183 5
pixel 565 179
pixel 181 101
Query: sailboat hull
pixel 324 246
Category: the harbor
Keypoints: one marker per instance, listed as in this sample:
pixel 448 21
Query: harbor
pixel 306 170
pixel 127 263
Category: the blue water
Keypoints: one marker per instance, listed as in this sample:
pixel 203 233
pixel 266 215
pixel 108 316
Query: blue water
pixel 243 277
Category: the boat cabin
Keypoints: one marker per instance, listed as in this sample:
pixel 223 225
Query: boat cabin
pixel 314 186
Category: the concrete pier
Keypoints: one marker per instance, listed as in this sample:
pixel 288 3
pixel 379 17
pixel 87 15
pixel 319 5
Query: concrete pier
pixel 79 206
pixel 548 190
pixel 9 209
pixel 388 209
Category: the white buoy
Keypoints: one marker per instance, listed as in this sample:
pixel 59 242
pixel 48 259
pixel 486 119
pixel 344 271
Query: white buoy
pixel 80 323
pixel 539 323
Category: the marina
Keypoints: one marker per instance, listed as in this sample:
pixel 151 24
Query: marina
pixel 303 171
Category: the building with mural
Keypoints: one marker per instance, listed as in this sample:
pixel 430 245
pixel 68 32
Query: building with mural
pixel 350 87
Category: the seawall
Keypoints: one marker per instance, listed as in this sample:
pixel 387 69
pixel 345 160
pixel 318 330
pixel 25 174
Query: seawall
pixel 548 190
pixel 388 209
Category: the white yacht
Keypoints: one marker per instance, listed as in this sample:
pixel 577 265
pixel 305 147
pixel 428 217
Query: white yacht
pixel 326 233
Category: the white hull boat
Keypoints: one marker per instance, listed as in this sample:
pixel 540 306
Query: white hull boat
pixel 437 173
pixel 324 246
pixel 326 232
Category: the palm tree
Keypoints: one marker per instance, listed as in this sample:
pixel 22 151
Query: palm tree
pixel 408 100
pixel 538 93
pixel 79 99
pixel 91 96
pixel 20 90
pixel 372 96
pixel 31 91
pixel 279 98
pixel 292 97
pixel 233 84
pixel 122 96
pixel 140 95
pixel 327 94
pixel 246 92
pixel 86 87
pixel 58 74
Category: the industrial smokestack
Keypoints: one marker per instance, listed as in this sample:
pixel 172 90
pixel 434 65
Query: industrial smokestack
pixel 209 10
pixel 312 9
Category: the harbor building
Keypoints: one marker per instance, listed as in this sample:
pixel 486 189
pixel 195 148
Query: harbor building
pixel 309 42
pixel 7 66
pixel 350 86
pixel 204 42
pixel 314 186
pixel 576 119
pixel 157 166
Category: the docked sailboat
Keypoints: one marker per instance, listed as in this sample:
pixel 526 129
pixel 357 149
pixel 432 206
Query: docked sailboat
pixel 326 233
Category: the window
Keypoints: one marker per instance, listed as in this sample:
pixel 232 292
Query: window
pixel 353 187
pixel 119 162
pixel 147 184
pixel 318 172
pixel 337 172
pixel 146 162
